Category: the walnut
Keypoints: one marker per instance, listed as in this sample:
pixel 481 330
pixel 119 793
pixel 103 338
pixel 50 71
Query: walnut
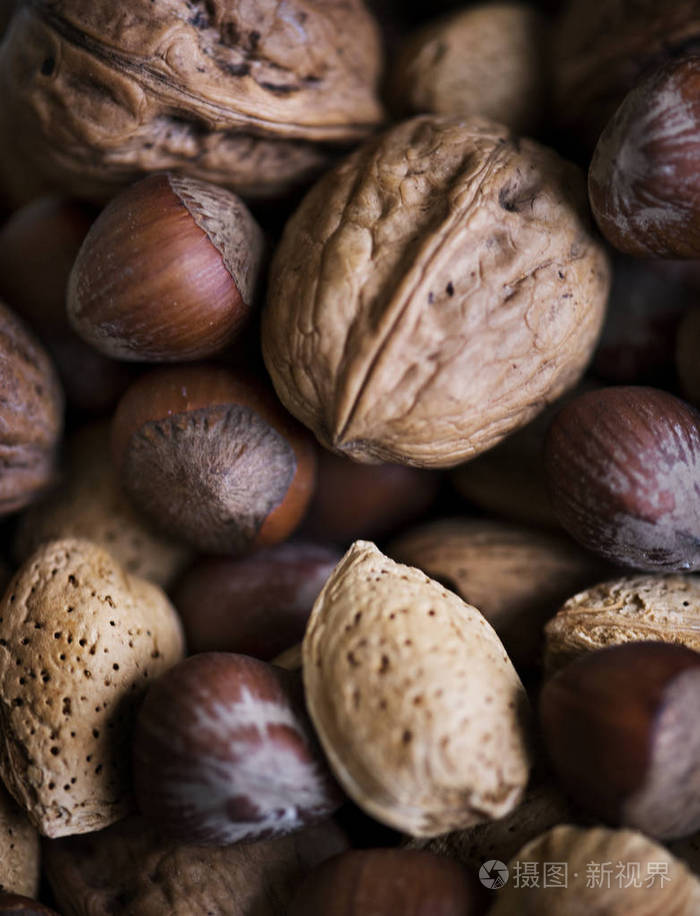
pixel 433 293
pixel 97 94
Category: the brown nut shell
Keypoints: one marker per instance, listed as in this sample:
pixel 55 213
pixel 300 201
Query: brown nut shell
pixel 433 293
pixel 236 94
pixel 578 847
pixel 418 708
pixel 661 608
pixel 19 849
pixel 79 640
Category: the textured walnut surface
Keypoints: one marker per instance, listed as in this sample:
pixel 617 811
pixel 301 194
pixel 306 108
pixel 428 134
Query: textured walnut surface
pixel 99 93
pixel 433 293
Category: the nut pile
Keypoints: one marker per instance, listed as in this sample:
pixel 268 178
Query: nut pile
pixel 350 440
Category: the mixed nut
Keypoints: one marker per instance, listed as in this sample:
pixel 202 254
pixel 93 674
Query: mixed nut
pixel 350 438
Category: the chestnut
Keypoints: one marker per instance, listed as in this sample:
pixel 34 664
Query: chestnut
pixel 622 732
pixel 223 752
pixel 168 271
pixel 256 605
pixel 623 467
pixel 644 183
pixel 212 458
pixel 386 882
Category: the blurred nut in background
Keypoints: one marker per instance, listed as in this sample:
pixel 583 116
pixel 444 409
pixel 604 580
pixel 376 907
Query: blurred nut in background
pixel 212 459
pixel 168 272
pixel 660 608
pixel 96 96
pixel 433 293
pixel 256 605
pixel 643 181
pixel 688 355
pixel 487 60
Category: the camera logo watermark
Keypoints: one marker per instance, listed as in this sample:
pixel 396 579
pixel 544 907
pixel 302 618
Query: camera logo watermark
pixel 494 874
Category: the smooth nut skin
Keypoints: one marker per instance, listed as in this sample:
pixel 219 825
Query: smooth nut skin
pixel 236 94
pixel 131 868
pixel 19 849
pixel 256 605
pixel 433 293
pixel 643 181
pixel 223 752
pixel 578 848
pixel 660 608
pixel 168 272
pixel 687 348
pixel 418 708
pixel 31 415
pixel 620 727
pixel 386 882
pixel 487 60
pixel 623 467
pixel 79 639
pixel 212 459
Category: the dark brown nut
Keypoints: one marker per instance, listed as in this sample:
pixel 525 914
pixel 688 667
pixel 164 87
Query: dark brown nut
pixel 168 272
pixel 516 576
pixel 79 639
pixel 95 97
pixel 487 60
pixel 660 608
pixel 636 885
pixel 602 50
pixel 256 605
pixel 354 500
pixel 212 459
pixel 386 882
pixel 620 726
pixel 643 180
pixel 19 906
pixel 623 466
pixel 433 293
pixel 19 850
pixel 129 868
pixel 687 349
pixel 31 415
pixel 89 504
pixel 223 752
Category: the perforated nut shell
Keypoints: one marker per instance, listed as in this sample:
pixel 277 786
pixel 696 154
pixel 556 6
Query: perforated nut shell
pixel 19 850
pixel 433 293
pixel 585 853
pixel 79 641
pixel 90 504
pixel 659 608
pixel 234 93
pixel 417 706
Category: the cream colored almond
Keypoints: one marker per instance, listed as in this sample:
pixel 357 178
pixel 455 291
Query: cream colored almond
pixel 661 608
pixel 416 703
pixel 19 850
pixel 79 641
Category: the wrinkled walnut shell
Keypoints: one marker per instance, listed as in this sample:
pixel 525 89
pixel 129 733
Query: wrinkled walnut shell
pixel 433 293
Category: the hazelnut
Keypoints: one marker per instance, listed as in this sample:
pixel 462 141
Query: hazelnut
pixel 687 348
pixel 90 504
pixel 168 272
pixel 486 60
pixel 130 868
pixel 95 97
pixel 212 459
pixel 417 706
pixel 385 882
pixel 645 879
pixel 23 906
pixel 31 415
pixel 620 727
pixel 433 293
pixel 354 500
pixel 516 576
pixel 659 608
pixel 19 850
pixel 643 184
pixel 223 753
pixel 79 639
pixel 623 466
pixel 256 605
